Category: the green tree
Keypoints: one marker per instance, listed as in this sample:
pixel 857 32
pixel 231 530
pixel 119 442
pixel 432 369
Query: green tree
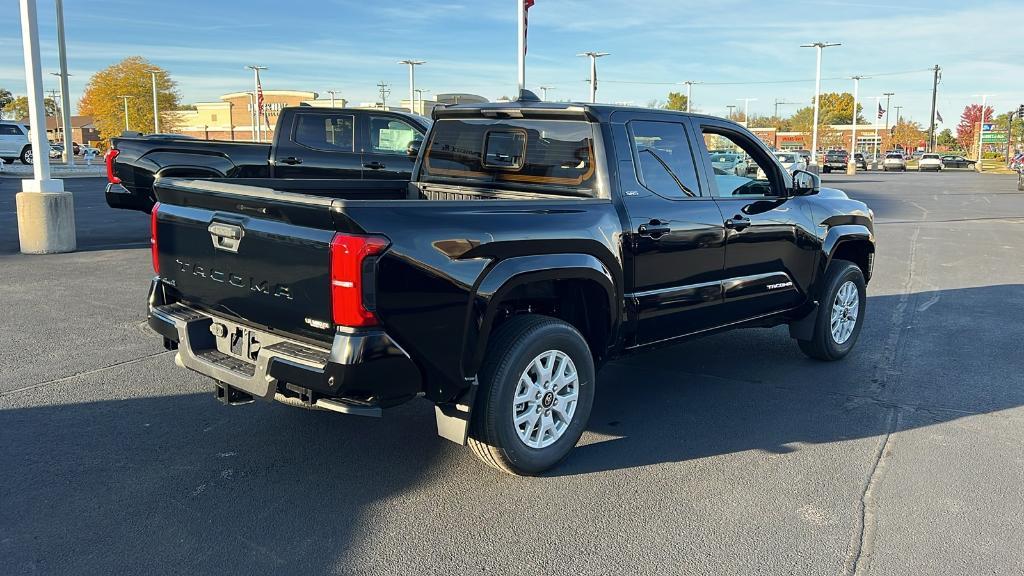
pixel 17 109
pixel 130 77
pixel 946 138
pixel 676 101
pixel 5 99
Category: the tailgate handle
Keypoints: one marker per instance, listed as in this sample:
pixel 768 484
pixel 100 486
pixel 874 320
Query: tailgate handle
pixel 225 237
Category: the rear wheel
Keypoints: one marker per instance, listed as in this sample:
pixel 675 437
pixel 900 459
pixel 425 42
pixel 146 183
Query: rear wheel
pixel 840 313
pixel 26 155
pixel 536 392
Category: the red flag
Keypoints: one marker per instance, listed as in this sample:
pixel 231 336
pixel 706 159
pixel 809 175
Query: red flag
pixel 526 21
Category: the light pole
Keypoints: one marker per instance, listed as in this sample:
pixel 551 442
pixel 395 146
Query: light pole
pixel 256 89
pixel 780 103
pixel 412 64
pixel 126 124
pixel 544 92
pixel 419 97
pixel 593 72
pixel 252 113
pixel 332 93
pixel 731 107
pixel 898 108
pixel 65 96
pixel 981 129
pixel 818 46
pixel 746 108
pixel 888 99
pixel 851 164
pixel 156 107
pixel 64 120
pixel 874 155
pixel 689 86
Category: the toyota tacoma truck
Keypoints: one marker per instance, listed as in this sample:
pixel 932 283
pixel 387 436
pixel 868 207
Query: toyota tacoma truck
pixel 535 242
pixel 309 143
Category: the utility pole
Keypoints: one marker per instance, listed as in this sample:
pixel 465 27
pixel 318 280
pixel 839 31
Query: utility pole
pixel 689 85
pixel 126 123
pixel 1009 133
pixel 981 130
pixel 332 93
pixel 851 164
pixel 935 93
pixel 819 46
pixel 898 118
pixel 156 107
pixel 888 97
pixel 412 64
pixel 65 96
pixel 878 104
pixel 731 107
pixel 256 89
pixel 384 93
pixel 544 92
pixel 593 72
pixel 746 109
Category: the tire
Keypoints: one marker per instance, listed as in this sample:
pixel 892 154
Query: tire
pixel 824 343
pixel 513 352
pixel 26 155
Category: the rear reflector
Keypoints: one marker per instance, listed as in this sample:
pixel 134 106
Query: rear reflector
pixel 108 158
pixel 153 237
pixel 352 270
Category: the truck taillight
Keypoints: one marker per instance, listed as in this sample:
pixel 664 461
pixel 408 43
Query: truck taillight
pixel 153 237
pixel 353 294
pixel 108 158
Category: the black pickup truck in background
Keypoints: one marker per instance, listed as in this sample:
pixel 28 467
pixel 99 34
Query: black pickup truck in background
pixel 535 242
pixel 309 143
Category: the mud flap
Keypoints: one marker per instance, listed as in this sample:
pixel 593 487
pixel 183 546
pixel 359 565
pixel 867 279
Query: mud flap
pixel 803 328
pixel 453 418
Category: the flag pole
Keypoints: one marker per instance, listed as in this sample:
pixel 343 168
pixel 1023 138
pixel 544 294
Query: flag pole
pixel 521 23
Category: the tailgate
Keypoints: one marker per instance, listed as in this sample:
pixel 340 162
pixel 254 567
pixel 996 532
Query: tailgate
pixel 252 254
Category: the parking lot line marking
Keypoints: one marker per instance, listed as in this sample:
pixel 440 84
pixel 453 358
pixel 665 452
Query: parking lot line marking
pixel 85 373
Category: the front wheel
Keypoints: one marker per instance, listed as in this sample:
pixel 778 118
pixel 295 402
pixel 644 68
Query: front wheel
pixel 840 313
pixel 536 392
pixel 26 155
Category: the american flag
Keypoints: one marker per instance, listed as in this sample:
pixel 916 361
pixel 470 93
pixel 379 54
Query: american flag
pixel 259 95
pixel 526 21
pixel 881 112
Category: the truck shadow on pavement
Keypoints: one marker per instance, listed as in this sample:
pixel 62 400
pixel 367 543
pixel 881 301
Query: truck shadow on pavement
pixel 181 484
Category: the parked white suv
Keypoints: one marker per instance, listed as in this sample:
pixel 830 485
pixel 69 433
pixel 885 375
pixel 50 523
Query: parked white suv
pixel 14 143
pixel 929 162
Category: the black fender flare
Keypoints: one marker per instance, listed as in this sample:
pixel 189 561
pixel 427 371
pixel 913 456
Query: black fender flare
pixel 842 234
pixel 500 279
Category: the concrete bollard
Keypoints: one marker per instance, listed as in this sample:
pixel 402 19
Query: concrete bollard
pixel 46 222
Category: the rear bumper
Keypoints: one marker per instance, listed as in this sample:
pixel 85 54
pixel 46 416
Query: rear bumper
pixel 365 368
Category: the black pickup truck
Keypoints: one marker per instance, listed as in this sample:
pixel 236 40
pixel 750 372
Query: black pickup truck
pixel 309 143
pixel 535 242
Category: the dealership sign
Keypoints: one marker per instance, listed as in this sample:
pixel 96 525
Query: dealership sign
pixel 994 137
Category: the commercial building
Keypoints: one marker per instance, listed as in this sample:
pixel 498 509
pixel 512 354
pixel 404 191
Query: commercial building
pixel 834 136
pixel 83 129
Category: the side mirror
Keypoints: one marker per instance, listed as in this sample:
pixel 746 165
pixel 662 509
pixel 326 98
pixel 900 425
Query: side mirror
pixel 805 183
pixel 414 148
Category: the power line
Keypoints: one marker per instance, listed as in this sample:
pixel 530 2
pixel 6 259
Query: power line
pixel 760 82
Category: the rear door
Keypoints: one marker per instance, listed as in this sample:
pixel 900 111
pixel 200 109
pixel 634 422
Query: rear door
pixel 10 139
pixel 771 246
pixel 675 236
pixel 317 143
pixel 386 140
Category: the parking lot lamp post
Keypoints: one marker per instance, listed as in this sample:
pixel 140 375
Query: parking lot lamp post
pixel 689 86
pixel 851 165
pixel 593 72
pixel 156 107
pixel 412 64
pixel 888 99
pixel 419 98
pixel 256 89
pixel 981 129
pixel 64 120
pixel 544 92
pixel 332 92
pixel 65 96
pixel 818 46
pixel 126 124
pixel 746 109
pixel 730 107
pixel 874 154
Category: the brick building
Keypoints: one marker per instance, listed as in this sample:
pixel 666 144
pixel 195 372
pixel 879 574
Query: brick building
pixel 231 117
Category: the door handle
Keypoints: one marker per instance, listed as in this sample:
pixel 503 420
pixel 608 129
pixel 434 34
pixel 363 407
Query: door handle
pixel 737 223
pixel 291 160
pixel 374 165
pixel 654 229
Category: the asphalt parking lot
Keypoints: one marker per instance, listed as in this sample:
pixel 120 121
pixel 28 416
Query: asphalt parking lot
pixel 734 454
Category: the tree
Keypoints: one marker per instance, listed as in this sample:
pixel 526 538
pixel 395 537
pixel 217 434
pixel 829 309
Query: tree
pixel 906 135
pixel 130 77
pixel 5 99
pixel 676 101
pixel 965 130
pixel 17 109
pixel 837 108
pixel 946 139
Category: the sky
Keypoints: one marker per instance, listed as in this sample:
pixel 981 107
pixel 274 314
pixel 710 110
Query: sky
pixel 737 49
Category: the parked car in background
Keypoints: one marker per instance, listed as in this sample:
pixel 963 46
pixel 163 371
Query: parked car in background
pixel 56 150
pixel 929 161
pixel 835 160
pixel 88 151
pixel 791 161
pixel 14 144
pixel 729 162
pixel 309 143
pixel 862 163
pixel 953 161
pixel 805 155
pixel 894 161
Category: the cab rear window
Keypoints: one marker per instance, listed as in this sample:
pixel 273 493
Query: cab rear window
pixel 524 154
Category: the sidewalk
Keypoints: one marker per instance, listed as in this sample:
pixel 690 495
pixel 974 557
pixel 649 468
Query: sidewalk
pixel 79 170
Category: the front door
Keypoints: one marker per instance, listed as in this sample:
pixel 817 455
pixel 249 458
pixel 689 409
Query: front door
pixel 771 246
pixel 676 238
pixel 386 147
pixel 319 144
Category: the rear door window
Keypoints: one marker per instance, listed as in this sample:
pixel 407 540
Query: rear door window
pixel 664 160
pixel 329 133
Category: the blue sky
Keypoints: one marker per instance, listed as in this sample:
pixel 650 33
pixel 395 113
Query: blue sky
pixel 741 49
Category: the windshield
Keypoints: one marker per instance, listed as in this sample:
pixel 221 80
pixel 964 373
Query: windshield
pixel 525 154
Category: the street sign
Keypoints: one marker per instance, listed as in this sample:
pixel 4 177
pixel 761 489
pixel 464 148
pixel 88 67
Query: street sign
pixel 994 138
pixel 988 127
